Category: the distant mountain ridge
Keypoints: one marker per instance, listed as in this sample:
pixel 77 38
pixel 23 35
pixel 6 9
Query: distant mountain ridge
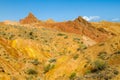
pixel 77 26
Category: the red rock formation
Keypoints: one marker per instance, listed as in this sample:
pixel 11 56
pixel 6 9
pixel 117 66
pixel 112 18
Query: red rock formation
pixel 29 19
pixel 78 26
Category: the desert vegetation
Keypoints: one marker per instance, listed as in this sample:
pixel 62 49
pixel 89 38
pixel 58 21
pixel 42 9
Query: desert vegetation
pixel 71 50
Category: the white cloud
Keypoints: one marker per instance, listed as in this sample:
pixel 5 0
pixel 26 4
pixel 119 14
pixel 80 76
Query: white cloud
pixel 116 19
pixel 91 18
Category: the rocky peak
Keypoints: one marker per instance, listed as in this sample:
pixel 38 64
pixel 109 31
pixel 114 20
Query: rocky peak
pixel 29 19
pixel 81 21
pixel 30 15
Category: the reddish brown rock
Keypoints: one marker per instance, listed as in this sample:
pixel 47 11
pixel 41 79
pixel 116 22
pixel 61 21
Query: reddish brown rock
pixel 29 19
pixel 77 26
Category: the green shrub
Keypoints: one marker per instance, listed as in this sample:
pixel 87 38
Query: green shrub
pixel 76 40
pixel 76 56
pixel 102 55
pixel 65 37
pixel 98 65
pixel 72 76
pixel 52 60
pixel 61 34
pixel 31 72
pixel 31 33
pixel 116 72
pixel 48 67
pixel 87 71
pixel 101 44
pixel 11 36
pixel 102 30
pixel 118 52
pixel 35 62
pixel 83 47
pixel 78 49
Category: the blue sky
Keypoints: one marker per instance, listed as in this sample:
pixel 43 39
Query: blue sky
pixel 61 10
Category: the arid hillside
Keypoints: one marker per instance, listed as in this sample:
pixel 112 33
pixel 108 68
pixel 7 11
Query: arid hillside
pixel 33 49
pixel 111 27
